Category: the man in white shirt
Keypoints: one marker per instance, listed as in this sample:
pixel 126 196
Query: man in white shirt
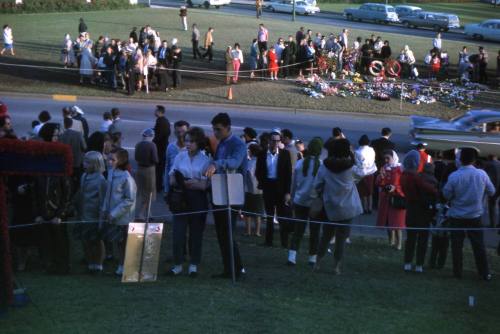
pixel 436 42
pixel 465 191
pixel 43 117
pixel 274 175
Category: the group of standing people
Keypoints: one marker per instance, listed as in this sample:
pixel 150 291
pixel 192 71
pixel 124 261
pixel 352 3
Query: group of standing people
pixel 285 181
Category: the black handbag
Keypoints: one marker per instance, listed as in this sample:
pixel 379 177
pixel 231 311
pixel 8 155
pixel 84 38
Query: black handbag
pixel 176 198
pixel 177 201
pixel 398 202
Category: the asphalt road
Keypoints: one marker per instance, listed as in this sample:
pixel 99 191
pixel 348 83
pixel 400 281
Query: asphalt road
pixel 334 19
pixel 139 115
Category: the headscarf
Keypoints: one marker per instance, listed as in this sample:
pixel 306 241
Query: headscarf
pixel 313 152
pixel 411 161
pixel 95 162
pixel 395 160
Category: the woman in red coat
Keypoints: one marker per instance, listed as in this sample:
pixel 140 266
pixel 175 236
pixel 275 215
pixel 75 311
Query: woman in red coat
pixel 389 184
pixel 273 63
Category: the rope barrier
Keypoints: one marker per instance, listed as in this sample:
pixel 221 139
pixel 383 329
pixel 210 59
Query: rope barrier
pixel 288 219
pixel 71 222
pixel 372 226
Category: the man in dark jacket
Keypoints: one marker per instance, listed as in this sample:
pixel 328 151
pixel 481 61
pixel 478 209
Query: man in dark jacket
pixel 382 144
pixel 110 61
pixel 274 175
pixel 288 56
pixel 492 168
pixel 162 132
pixel 82 27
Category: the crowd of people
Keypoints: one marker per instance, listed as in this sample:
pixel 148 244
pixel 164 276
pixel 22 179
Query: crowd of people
pixel 322 184
pixel 145 61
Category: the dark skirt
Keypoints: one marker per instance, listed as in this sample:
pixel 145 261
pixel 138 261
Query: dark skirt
pixel 254 203
pixel 366 185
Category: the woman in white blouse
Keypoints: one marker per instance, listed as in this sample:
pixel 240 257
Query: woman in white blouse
pixel 237 55
pixel 365 169
pixel 188 176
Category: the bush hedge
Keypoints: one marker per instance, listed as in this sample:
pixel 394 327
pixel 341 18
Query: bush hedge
pixel 36 6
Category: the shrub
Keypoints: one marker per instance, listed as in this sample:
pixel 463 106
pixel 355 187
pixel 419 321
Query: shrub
pixel 36 6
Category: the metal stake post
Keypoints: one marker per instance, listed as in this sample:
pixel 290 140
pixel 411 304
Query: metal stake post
pixel 293 11
pixel 145 233
pixel 230 231
pixel 401 99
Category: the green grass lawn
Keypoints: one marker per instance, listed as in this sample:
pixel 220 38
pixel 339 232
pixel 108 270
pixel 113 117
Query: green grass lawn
pixel 469 12
pixel 373 295
pixel 39 38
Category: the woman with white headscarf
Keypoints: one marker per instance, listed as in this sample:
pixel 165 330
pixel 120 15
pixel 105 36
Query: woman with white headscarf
pixel 67 52
pixel 146 156
pixel 391 211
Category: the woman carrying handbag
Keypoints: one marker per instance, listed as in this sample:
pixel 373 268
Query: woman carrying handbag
pixel 187 178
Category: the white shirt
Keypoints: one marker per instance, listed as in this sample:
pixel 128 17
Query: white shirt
pixel 237 54
pixel 364 158
pixel 278 48
pixel 436 42
pixel 37 128
pixel 191 167
pixel 465 190
pixel 272 165
pixel 7 36
pixel 378 46
pixel 105 125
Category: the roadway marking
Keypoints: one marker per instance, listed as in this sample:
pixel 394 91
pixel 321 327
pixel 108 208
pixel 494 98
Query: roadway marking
pixel 68 98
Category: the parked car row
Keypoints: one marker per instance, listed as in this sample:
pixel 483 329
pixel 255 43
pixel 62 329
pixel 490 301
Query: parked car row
pixel 415 17
pixel 301 7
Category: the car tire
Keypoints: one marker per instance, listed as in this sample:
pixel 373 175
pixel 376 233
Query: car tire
pixel 436 28
pixel 217 7
pixel 206 4
pixel 271 8
pixel 386 22
pixel 189 3
pixel 478 37
pixel 349 17
pixel 406 24
pixel 446 29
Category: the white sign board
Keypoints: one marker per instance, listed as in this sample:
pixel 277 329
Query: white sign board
pixel 228 184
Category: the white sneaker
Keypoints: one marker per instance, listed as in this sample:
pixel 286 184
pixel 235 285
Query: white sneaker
pixel 292 255
pixel 192 268
pixel 348 241
pixel 119 270
pixel 176 270
pixel 407 267
pixel 312 259
pixel 419 269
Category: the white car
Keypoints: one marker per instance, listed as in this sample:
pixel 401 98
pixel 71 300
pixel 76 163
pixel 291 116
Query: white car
pixel 489 29
pixel 286 6
pixel 207 3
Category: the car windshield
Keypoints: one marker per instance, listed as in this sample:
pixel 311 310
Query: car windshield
pixel 301 3
pixel 464 120
pixel 390 9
